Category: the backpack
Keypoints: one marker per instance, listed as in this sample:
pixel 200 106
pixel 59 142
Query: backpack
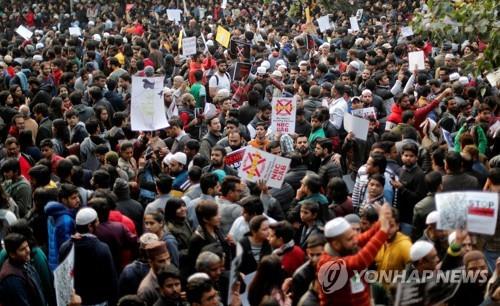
pixel 211 74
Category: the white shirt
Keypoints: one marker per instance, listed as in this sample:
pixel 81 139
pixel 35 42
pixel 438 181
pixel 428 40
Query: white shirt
pixel 224 81
pixel 240 227
pixel 337 110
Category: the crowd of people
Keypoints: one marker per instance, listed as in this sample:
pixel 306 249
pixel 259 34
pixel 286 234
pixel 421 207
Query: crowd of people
pixel 159 217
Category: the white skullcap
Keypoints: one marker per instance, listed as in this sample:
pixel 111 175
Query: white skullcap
pixel 166 159
pixel 387 46
pixel 265 64
pixel 39 46
pixel 358 41
pixel 354 64
pixel 179 157
pixel 302 63
pixel 86 216
pixel 261 70
pixel 38 58
pixel 105 34
pixel 210 43
pixel 432 217
pixel 454 76
pixel 325 45
pixel 276 73
pixel 96 37
pixel 452 237
pixel 463 80
pixel 336 227
pixel 420 249
pixel 167 90
pixel 223 93
pixel 198 275
pixel 449 56
pixel 91 23
pixel 366 92
pixel 280 62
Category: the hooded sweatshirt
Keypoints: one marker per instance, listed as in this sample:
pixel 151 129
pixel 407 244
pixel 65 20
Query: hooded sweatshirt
pixel 60 226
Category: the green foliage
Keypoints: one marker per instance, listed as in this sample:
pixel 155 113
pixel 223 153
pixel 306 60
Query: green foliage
pixel 457 21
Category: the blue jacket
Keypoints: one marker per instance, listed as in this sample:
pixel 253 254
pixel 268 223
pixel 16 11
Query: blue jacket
pixel 60 226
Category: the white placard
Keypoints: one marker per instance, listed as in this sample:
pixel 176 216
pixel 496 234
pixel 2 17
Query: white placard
pixel 174 15
pixel 283 115
pixel 358 126
pixel 354 23
pixel 493 77
pixel 359 14
pixel 224 4
pixel 416 59
pixel 365 113
pixel 147 110
pixel 259 165
pixel 24 32
pixel 188 46
pixel 75 31
pixel 324 23
pixel 406 31
pixel 476 211
pixel 64 279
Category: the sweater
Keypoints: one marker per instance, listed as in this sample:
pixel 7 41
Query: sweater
pixel 394 255
pixel 370 242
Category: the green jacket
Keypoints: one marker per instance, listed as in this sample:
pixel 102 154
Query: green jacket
pixel 20 192
pixel 482 141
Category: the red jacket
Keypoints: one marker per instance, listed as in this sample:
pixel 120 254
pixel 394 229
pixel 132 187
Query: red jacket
pixel 292 259
pixel 371 241
pixel 420 113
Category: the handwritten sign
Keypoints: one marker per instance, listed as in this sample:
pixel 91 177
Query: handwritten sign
pixel 64 280
pixel 259 165
pixel 476 211
pixel 324 23
pixel 406 31
pixel 188 46
pixel 283 115
pixel 174 15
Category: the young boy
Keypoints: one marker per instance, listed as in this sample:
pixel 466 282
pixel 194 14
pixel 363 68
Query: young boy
pixel 411 186
pixel 281 240
pixel 316 129
pixel 169 280
pixel 310 225
pixel 260 141
pixel 77 131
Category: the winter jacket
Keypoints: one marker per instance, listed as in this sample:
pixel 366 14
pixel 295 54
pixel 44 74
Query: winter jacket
pixel 20 285
pixel 420 212
pixel 87 152
pixel 78 133
pixel 84 112
pixel 20 192
pixel 394 255
pixel 413 190
pixel 60 227
pixel 131 277
pixel 248 263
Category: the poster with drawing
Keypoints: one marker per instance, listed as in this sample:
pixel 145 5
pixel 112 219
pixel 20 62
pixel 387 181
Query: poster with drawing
pixel 259 165
pixel 473 210
pixel 147 110
pixel 283 115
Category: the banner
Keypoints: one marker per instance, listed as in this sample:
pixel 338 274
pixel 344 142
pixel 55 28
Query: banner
pixel 223 36
pixel 283 115
pixel 147 110
pixel 239 48
pixel 259 165
pixel 241 71
pixel 188 46
pixel 64 280
pixel 233 159
pixel 474 210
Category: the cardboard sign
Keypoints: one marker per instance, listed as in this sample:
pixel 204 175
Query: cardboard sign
pixel 324 23
pixel 239 48
pixel 24 32
pixel 283 115
pixel 241 71
pixel 259 165
pixel 188 46
pixel 233 159
pixel 474 210
pixel 223 36
pixel 365 113
pixel 416 59
pixel 358 126
pixel 147 110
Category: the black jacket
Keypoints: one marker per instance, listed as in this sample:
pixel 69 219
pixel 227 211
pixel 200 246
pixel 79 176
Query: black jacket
pixel 248 263
pixel 414 189
pixel 328 170
pixel 94 272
